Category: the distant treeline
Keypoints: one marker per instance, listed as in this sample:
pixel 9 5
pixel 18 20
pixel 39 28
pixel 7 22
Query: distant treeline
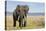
pixel 29 14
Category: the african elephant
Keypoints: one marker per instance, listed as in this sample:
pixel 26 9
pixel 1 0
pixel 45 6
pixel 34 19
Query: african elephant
pixel 19 14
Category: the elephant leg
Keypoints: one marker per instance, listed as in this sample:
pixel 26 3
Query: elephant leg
pixel 24 23
pixel 14 21
pixel 19 22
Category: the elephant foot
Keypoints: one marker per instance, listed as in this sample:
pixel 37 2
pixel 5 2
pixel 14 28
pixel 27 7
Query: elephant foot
pixel 20 27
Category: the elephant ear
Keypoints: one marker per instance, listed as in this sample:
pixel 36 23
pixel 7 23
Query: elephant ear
pixel 17 10
pixel 18 7
pixel 26 8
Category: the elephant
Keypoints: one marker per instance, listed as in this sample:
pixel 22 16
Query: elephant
pixel 19 14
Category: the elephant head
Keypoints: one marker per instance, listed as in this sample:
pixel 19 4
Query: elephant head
pixel 22 9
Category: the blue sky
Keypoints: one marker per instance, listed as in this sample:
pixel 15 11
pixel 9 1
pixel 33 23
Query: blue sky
pixel 34 7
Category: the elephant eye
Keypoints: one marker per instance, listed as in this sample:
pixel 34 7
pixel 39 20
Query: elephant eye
pixel 24 10
pixel 18 10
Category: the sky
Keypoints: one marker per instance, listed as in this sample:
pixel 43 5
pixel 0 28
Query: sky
pixel 34 7
pixel 28 0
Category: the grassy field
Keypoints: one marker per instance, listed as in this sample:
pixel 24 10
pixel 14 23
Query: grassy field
pixel 33 22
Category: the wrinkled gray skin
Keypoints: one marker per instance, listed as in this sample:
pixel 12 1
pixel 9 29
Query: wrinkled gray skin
pixel 19 14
